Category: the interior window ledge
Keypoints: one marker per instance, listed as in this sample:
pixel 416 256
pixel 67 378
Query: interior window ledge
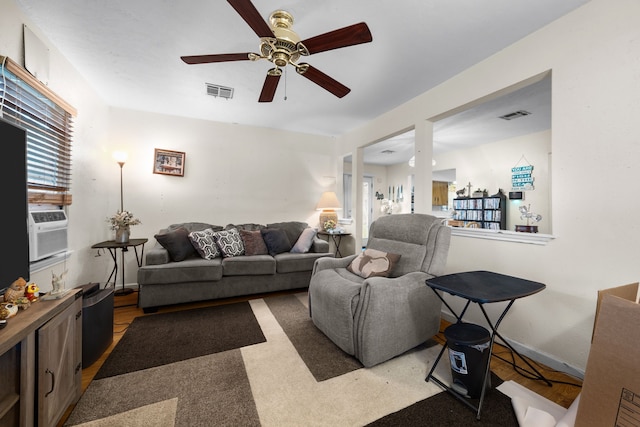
pixel 503 235
pixel 40 265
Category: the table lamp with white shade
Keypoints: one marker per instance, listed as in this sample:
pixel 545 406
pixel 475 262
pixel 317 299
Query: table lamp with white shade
pixel 328 204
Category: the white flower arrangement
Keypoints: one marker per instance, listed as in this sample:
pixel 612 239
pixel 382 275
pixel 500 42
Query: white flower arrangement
pixel 122 219
pixel 388 206
pixel 329 224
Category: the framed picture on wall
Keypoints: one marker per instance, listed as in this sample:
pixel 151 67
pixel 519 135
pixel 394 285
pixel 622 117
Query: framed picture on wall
pixel 167 162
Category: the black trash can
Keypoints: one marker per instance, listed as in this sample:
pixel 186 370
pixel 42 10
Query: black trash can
pixel 469 354
pixel 97 322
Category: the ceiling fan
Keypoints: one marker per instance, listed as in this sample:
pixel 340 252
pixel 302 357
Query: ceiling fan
pixel 280 45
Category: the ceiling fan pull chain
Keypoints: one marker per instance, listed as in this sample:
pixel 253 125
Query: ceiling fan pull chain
pixel 285 83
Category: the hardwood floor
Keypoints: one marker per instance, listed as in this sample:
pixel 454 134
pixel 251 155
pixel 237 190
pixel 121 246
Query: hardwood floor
pixel 565 387
pixel 564 390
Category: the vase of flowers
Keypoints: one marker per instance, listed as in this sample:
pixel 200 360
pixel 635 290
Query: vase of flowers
pixel 388 206
pixel 329 225
pixel 121 223
pixel 122 234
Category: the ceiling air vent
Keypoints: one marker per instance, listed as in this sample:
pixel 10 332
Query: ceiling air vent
pixel 387 152
pixel 219 91
pixel 515 115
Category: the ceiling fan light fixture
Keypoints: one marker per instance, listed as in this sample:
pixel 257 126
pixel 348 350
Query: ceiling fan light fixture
pixel 281 24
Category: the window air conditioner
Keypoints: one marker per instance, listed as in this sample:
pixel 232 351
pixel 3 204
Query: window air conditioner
pixel 47 233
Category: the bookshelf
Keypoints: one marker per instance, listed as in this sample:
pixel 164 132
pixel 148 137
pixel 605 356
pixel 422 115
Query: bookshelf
pixel 489 212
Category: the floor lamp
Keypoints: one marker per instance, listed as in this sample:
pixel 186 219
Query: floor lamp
pixel 121 158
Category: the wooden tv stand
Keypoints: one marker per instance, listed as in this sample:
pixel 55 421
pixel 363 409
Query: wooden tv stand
pixel 41 362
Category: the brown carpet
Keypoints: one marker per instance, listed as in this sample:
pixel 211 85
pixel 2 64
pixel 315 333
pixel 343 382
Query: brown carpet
pixel 444 410
pixel 160 339
pixel 294 377
pixel 323 358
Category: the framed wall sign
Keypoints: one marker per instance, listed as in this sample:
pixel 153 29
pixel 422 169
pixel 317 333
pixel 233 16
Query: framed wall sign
pixel 167 162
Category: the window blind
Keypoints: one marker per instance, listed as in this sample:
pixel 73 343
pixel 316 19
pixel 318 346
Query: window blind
pixel 48 121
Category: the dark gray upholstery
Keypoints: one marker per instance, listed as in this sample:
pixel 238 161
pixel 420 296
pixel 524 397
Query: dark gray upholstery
pixel 165 282
pixel 379 318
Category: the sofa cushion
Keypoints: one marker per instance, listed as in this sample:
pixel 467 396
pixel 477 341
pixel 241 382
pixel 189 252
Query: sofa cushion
pixel 292 228
pixel 253 243
pixel 247 227
pixel 177 243
pixel 288 262
pixel 204 243
pixel 372 263
pixel 194 226
pixel 303 244
pixel 276 240
pixel 248 265
pixel 194 269
pixel 229 242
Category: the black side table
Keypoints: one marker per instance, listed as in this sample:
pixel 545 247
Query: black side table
pixel 337 238
pixel 482 287
pixel 113 247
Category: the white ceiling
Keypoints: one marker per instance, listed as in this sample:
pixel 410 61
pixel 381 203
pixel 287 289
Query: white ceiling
pixel 129 51
pixel 477 125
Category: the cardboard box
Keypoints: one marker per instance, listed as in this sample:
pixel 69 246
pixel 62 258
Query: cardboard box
pixel 610 393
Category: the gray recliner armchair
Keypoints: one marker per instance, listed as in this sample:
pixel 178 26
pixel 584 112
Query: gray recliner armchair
pixel 378 318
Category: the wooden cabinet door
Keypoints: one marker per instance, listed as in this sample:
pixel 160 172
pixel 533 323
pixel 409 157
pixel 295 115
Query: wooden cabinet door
pixel 59 364
pixel 439 193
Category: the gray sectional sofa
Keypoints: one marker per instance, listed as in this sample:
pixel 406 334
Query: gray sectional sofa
pixel 176 272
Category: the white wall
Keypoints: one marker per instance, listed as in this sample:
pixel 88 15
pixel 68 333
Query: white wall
pixel 233 173
pixel 380 184
pixel 593 55
pixel 489 166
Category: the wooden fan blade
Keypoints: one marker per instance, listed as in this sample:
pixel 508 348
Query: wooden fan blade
pixel 321 79
pixel 343 37
pixel 223 57
pixel 250 14
pixel 269 88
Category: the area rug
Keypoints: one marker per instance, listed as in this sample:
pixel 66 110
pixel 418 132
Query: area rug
pixel 444 410
pixel 294 377
pixel 323 358
pixel 161 339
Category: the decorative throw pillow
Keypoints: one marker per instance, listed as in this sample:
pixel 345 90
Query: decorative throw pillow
pixel 203 242
pixel 303 244
pixel 177 243
pixel 229 242
pixel 276 240
pixel 253 242
pixel 372 262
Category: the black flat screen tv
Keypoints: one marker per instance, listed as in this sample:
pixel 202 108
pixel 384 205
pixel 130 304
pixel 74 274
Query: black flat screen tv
pixel 15 230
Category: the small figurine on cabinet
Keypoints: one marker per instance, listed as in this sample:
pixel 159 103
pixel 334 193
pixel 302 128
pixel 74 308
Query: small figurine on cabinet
pixel 33 292
pixel 57 283
pixel 8 310
pixel 16 290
